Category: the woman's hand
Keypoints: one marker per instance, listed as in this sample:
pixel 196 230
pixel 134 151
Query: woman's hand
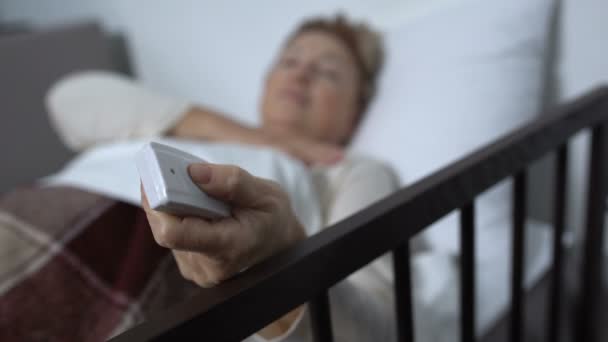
pixel 207 252
pixel 308 150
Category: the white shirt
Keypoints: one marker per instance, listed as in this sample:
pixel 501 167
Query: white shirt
pixel 362 304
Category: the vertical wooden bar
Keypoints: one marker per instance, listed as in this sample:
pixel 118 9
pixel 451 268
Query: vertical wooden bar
pixel 594 236
pixel 320 318
pixel 519 214
pixel 559 210
pixel 467 278
pixel 403 293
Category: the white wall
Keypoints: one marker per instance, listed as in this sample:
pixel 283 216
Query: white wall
pixel 181 47
pixel 210 28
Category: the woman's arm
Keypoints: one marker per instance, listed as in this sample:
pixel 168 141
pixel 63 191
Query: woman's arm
pixel 210 252
pixel 206 124
pixel 93 108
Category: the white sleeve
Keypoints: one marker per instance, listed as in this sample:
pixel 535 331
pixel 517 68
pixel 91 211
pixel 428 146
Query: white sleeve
pixel 361 185
pixel 93 107
pixel 358 186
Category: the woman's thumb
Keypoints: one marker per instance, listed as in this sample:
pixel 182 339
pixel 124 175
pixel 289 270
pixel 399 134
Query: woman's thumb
pixel 226 183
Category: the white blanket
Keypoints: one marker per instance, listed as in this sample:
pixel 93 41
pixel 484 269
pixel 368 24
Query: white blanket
pixel 110 170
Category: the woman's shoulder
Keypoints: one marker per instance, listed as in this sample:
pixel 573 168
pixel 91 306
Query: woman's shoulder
pixel 357 167
pixel 354 183
pixel 361 163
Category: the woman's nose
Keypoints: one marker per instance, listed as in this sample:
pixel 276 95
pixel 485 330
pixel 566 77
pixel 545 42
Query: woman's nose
pixel 302 73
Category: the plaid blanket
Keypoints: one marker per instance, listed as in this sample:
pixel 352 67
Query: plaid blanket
pixel 76 266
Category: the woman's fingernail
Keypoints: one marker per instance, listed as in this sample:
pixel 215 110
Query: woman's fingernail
pixel 200 173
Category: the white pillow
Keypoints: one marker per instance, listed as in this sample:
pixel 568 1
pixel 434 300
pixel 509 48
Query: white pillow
pixel 454 81
pixel 92 107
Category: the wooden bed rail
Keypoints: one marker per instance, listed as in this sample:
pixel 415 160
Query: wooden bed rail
pixel 241 306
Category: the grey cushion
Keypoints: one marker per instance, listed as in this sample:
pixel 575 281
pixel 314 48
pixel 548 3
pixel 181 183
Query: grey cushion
pixel 29 64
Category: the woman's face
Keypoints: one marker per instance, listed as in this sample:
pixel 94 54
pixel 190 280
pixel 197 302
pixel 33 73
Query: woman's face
pixel 313 89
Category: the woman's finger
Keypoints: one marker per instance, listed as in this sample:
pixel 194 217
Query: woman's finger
pixel 184 267
pixel 228 183
pixel 155 217
pixel 190 233
pixel 144 198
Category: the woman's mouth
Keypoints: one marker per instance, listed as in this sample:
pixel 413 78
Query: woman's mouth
pixel 295 96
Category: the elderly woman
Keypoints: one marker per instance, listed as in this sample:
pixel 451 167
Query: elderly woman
pixel 315 94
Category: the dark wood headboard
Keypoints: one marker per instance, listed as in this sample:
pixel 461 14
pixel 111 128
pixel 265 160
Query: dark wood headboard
pixel 30 62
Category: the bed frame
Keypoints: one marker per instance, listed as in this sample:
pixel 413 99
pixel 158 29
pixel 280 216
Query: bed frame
pixel 304 273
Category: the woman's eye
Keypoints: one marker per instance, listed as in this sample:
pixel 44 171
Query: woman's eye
pixel 329 73
pixel 288 61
